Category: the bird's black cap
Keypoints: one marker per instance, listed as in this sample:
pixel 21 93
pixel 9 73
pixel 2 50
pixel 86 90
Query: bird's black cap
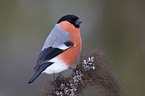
pixel 72 19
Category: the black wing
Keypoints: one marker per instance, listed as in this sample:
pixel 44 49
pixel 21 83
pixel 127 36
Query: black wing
pixel 49 53
pixel 45 56
pixel 38 72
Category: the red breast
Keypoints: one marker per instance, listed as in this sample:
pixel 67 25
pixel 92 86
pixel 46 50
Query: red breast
pixel 70 56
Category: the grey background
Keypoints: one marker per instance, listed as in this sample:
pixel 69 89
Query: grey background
pixel 115 27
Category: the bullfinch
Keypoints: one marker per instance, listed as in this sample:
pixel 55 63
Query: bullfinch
pixel 61 48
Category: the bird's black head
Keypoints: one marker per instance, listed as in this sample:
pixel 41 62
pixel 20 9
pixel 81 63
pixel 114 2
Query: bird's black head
pixel 72 19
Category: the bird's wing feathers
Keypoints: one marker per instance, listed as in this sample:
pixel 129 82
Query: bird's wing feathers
pixel 56 43
pixel 38 72
pixel 51 52
pixel 56 38
pixel 46 55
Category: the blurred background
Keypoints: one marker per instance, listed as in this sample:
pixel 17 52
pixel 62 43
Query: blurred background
pixel 117 27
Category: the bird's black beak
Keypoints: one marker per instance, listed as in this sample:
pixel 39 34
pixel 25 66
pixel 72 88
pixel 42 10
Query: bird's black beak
pixel 78 22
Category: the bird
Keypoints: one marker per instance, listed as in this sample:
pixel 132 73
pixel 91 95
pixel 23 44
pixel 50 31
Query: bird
pixel 61 48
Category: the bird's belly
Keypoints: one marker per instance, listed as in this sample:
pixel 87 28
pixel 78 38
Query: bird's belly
pixel 56 67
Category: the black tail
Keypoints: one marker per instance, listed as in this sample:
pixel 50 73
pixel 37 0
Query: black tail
pixel 34 77
pixel 39 71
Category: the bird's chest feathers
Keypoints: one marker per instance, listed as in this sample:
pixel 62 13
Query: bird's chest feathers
pixel 70 55
pixel 74 32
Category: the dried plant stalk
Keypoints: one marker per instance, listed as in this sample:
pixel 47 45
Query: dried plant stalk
pixel 92 76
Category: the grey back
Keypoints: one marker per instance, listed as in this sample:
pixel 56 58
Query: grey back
pixel 56 38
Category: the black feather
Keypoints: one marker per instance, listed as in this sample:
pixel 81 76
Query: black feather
pixel 46 55
pixel 69 43
pixel 39 71
pixel 70 18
